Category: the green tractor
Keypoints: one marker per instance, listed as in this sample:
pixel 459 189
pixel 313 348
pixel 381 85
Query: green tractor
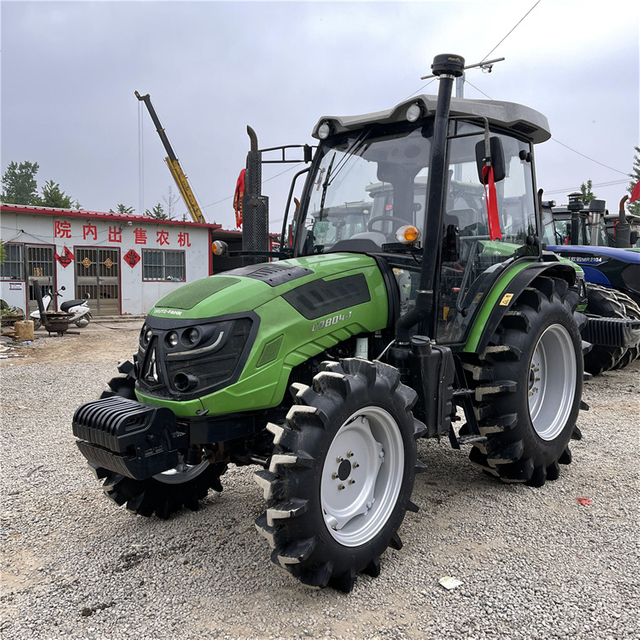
pixel 411 289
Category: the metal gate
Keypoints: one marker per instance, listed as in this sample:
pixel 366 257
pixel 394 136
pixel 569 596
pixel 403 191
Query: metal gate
pixel 98 274
pixel 40 267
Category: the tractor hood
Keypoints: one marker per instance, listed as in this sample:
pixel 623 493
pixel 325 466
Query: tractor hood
pixel 231 340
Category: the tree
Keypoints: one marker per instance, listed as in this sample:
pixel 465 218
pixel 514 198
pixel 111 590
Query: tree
pixel 587 193
pixel 171 199
pixel 52 196
pixel 121 208
pixel 19 184
pixel 634 207
pixel 157 212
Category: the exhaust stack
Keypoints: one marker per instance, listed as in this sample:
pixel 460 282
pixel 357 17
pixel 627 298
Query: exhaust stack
pixel 255 206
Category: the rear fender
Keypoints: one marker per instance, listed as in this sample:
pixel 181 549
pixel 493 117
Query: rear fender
pixel 505 294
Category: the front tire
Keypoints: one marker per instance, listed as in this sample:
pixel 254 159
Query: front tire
pixel 528 386
pixel 168 492
pixel 342 473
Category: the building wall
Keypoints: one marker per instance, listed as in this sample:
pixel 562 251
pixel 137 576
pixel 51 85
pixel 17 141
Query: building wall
pixel 102 241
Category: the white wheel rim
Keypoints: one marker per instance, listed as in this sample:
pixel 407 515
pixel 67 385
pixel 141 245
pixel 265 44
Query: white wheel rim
pixel 362 476
pixel 181 473
pixel 552 382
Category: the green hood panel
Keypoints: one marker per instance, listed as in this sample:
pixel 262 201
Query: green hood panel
pixel 322 300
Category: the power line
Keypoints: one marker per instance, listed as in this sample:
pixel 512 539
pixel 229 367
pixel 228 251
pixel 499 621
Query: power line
pixel 588 158
pixel 478 90
pixel 594 186
pixel 512 30
pixel 213 204
pixel 420 89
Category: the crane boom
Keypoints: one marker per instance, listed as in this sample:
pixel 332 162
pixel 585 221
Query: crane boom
pixel 174 166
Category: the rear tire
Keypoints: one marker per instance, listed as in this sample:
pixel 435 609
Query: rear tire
pixel 341 475
pixel 604 303
pixel 528 386
pixel 82 322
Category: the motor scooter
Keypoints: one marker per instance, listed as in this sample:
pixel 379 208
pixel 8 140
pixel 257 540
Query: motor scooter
pixel 79 308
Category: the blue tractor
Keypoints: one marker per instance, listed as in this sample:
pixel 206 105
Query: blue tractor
pixel 604 246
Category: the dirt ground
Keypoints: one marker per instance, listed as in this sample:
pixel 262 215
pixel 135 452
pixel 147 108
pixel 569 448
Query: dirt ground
pixel 534 563
pixel 105 340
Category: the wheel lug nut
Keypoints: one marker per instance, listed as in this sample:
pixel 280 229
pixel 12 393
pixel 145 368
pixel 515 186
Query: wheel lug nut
pixel 340 487
pixel 334 476
pixel 351 481
pixel 355 465
pixel 349 454
pixel 339 459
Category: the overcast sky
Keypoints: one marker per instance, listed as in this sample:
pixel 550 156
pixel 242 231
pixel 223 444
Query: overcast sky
pixel 69 71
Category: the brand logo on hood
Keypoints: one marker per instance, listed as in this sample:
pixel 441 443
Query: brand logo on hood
pixel 172 312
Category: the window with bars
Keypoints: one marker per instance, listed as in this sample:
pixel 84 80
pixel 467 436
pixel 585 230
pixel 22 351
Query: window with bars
pixel 13 266
pixel 163 265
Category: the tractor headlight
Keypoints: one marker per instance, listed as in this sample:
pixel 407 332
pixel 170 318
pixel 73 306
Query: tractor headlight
pixel 172 339
pixel 324 130
pixel 413 112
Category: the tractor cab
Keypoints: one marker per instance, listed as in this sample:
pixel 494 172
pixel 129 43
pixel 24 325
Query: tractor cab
pixel 368 192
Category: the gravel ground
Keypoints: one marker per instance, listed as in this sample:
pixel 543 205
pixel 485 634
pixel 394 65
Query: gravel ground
pixel 534 563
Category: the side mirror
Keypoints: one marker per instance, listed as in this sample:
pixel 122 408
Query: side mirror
pixel 497 159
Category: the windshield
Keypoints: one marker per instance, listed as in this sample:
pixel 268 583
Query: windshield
pixel 557 229
pixel 352 196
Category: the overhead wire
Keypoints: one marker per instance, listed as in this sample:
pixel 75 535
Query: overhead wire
pixel 291 168
pixel 606 166
pixel 512 30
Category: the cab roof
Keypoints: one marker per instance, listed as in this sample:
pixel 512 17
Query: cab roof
pixel 521 120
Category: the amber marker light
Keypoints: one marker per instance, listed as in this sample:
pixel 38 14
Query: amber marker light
pixel 407 234
pixel 220 248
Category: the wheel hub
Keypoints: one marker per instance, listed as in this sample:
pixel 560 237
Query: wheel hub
pixel 552 381
pixel 362 476
pixel 344 470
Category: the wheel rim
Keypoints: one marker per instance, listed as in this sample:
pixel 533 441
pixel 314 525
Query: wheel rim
pixel 362 476
pixel 552 382
pixel 181 473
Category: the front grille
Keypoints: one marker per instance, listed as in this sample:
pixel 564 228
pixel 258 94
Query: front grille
pixel 612 332
pixel 184 373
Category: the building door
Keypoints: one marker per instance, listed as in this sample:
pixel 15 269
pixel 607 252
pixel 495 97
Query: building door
pixel 98 274
pixel 41 269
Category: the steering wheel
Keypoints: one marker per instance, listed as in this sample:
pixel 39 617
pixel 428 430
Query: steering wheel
pixel 399 222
